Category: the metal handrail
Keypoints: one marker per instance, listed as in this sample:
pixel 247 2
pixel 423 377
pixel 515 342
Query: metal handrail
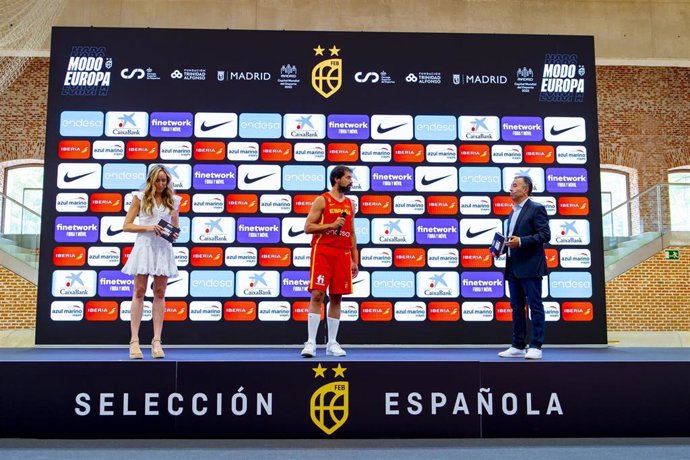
pixel 2 195
pixel 653 189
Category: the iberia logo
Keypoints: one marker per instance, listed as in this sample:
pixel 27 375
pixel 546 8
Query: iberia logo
pixel 327 75
pixel 276 151
pixel 539 154
pixel 239 311
pixel 176 310
pixel 375 204
pixel 408 153
pixel 474 153
pixel 329 406
pixel 343 152
pixel 210 151
pixel 185 202
pixel 142 150
pixel 74 150
pixel 442 204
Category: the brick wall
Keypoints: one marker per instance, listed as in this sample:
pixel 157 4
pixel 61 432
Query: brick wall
pixel 644 123
pixel 17 301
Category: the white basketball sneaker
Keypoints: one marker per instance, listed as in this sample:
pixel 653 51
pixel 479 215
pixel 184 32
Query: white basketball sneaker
pixel 512 352
pixel 334 349
pixel 309 350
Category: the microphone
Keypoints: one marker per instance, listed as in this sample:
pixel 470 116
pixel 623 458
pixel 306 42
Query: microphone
pixel 337 232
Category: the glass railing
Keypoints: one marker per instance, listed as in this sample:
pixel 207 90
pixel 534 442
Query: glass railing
pixel 20 231
pixel 644 218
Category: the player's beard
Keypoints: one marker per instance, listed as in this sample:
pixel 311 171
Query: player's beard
pixel 344 188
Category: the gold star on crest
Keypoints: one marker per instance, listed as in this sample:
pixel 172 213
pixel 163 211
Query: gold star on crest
pixel 319 371
pixel 339 371
pixel 334 51
pixel 319 51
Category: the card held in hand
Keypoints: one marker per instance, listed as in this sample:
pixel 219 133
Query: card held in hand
pixel 168 230
pixel 498 244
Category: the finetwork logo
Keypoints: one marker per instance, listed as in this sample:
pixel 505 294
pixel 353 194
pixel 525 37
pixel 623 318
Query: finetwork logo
pixel 348 126
pixel 562 79
pixel 258 230
pixel 437 231
pixel 482 284
pixel 327 75
pixel 88 72
pixel 566 180
pixel 392 179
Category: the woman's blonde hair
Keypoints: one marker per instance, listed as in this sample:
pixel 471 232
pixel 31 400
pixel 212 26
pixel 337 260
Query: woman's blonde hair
pixel 148 201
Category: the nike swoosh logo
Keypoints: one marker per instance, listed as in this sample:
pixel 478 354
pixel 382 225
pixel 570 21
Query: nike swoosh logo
pixel 556 132
pixel 112 232
pixel 176 280
pixel 251 180
pixel 426 181
pixel 471 234
pixel 357 282
pixel 292 233
pixel 381 130
pixel 69 178
pixel 204 127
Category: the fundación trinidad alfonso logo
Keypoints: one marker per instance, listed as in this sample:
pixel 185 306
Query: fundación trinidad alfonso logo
pixel 327 75
pixel 329 406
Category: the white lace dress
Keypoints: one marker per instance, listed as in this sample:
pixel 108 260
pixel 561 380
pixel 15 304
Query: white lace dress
pixel 152 254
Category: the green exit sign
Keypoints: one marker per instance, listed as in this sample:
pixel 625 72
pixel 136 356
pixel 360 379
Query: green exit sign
pixel 672 254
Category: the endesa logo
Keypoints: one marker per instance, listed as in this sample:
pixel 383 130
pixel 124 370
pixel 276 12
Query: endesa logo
pixel 123 176
pixel 392 127
pixel 539 154
pixel 436 231
pixel 443 311
pixel 475 205
pixel 214 177
pixel 441 153
pixel 375 204
pixel 81 124
pixel 304 178
pixel 409 257
pixel 573 205
pixel 570 285
pixel 479 179
pixel 176 310
pixel 376 311
pixel 76 229
pixel 212 283
pixel 392 231
pixel 477 311
pixel 239 311
pixel 435 128
pixel 276 151
pixel 301 204
pixel 393 285
pixel 213 230
pixel 209 151
pixel 207 256
pixel 142 150
pixel 105 202
pixel 342 153
pixel 101 310
pixel 474 153
pixel 442 204
pixel 275 257
pixel 260 125
pixel 69 256
pixel 242 204
pixel 578 311
pixel 408 153
pixel 74 150
pixel 476 258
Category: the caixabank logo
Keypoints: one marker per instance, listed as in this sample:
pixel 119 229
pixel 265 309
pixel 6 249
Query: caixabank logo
pixel 329 406
pixel 327 75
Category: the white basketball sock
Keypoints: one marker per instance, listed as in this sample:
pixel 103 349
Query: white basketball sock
pixel 333 324
pixel 313 320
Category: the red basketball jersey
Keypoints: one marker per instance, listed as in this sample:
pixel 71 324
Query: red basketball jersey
pixel 331 212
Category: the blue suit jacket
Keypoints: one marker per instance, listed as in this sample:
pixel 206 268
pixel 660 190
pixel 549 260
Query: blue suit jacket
pixel 532 226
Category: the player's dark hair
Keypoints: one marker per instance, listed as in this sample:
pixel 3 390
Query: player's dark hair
pixel 338 172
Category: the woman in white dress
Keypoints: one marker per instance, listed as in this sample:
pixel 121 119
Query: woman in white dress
pixel 152 254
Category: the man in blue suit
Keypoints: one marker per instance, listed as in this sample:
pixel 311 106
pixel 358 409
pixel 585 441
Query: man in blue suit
pixel 528 231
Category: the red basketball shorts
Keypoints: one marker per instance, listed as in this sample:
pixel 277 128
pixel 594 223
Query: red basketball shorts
pixel 331 268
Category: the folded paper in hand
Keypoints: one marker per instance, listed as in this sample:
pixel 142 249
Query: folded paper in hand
pixel 498 244
pixel 168 230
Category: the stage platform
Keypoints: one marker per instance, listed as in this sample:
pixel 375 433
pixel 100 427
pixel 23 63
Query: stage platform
pixel 376 392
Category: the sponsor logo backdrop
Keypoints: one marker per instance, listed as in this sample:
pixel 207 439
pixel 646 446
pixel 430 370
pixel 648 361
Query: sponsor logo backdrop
pixel 434 127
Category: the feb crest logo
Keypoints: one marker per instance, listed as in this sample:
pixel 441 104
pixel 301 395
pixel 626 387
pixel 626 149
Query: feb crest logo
pixel 329 406
pixel 327 75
